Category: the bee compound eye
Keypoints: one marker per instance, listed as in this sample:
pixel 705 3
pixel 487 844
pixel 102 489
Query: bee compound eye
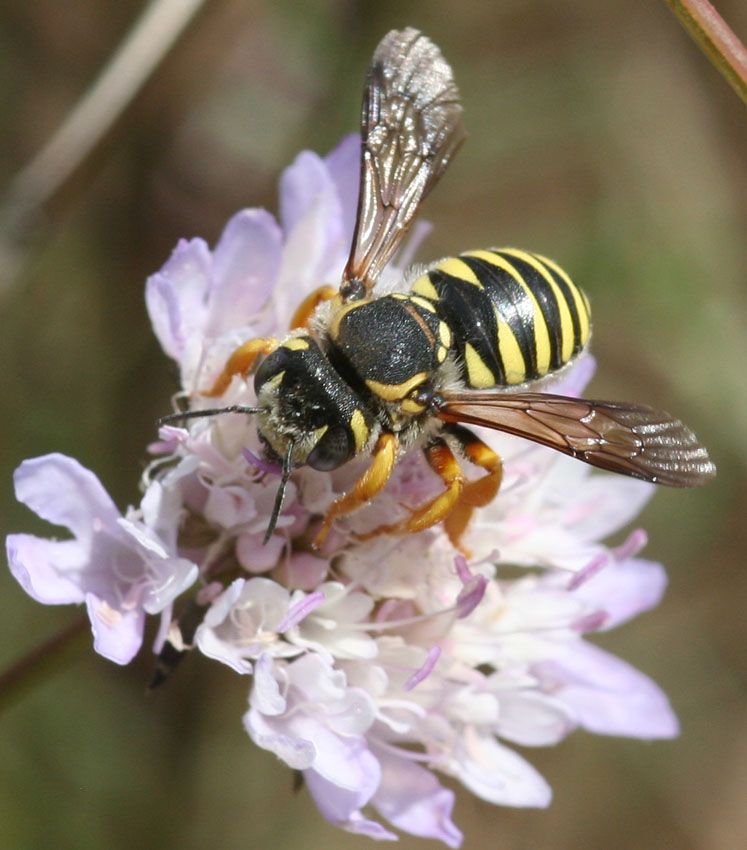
pixel 272 365
pixel 331 451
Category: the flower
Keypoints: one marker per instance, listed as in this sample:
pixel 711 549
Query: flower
pixel 380 663
pixel 122 567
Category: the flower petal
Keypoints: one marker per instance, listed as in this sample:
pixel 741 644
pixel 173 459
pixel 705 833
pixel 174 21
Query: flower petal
pixel 344 164
pixel 47 569
pixel 63 492
pixel 176 296
pixel 246 262
pixel 609 696
pixel 498 774
pixel 117 635
pixel 341 806
pixel 625 590
pixel 412 799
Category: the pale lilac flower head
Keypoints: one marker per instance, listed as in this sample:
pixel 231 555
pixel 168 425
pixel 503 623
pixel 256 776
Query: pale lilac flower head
pixel 377 665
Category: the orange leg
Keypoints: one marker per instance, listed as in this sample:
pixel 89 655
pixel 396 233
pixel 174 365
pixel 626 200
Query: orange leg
pixel 478 493
pixel 306 308
pixel 240 362
pixel 442 459
pixel 371 483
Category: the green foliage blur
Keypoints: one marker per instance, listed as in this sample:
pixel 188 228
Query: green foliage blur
pixel 598 135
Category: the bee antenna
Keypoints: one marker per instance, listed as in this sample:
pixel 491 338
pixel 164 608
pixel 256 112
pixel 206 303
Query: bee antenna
pixel 277 507
pixel 208 411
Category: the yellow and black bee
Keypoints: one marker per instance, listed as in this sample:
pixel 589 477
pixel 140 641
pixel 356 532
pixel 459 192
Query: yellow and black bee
pixel 470 341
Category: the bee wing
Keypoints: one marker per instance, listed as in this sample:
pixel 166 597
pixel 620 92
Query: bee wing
pixel 411 126
pixel 626 438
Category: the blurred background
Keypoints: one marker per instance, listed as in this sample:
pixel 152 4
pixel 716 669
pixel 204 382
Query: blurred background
pixel 598 135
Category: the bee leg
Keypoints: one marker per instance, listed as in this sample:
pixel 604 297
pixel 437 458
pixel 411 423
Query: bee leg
pixel 442 460
pixel 240 362
pixel 478 493
pixel 370 483
pixel 307 307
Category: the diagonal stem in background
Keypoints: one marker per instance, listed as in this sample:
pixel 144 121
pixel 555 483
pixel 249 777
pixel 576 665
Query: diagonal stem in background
pixel 147 43
pixel 715 39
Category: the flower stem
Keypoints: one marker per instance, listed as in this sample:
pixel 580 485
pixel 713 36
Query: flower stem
pixel 40 661
pixel 152 36
pixel 715 39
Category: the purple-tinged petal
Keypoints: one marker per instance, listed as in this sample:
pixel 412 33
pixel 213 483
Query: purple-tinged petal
pixel 344 164
pixel 604 504
pixel 63 492
pixel 608 696
pixel 625 590
pixel 117 634
pixel 301 184
pixel 574 381
pixel 297 753
pixel 313 254
pixel 176 296
pixel 246 262
pixel 341 807
pixel 47 569
pixel 345 761
pixel 412 799
pixel 591 622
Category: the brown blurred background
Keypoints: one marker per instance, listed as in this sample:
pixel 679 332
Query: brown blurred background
pixel 599 135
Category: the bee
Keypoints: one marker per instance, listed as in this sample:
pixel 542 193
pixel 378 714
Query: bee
pixel 471 341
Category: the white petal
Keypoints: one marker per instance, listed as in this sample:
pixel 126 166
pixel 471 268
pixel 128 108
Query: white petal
pixel 265 695
pixel 499 775
pixel 118 635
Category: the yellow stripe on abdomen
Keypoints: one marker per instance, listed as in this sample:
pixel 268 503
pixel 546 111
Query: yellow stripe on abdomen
pixel 512 358
pixel 478 373
pixel 541 333
pixel 457 268
pixel 579 297
pixel 567 335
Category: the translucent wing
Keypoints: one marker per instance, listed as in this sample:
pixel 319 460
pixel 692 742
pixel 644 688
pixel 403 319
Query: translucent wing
pixel 411 126
pixel 626 438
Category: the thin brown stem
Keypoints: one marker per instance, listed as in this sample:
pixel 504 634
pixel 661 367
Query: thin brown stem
pixel 40 661
pixel 715 39
pixel 141 51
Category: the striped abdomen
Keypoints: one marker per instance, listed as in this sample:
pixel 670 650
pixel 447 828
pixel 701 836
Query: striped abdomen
pixel 515 316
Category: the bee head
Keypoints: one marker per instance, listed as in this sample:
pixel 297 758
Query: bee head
pixel 306 405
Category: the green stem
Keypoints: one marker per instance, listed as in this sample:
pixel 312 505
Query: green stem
pixel 715 39
pixel 40 661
